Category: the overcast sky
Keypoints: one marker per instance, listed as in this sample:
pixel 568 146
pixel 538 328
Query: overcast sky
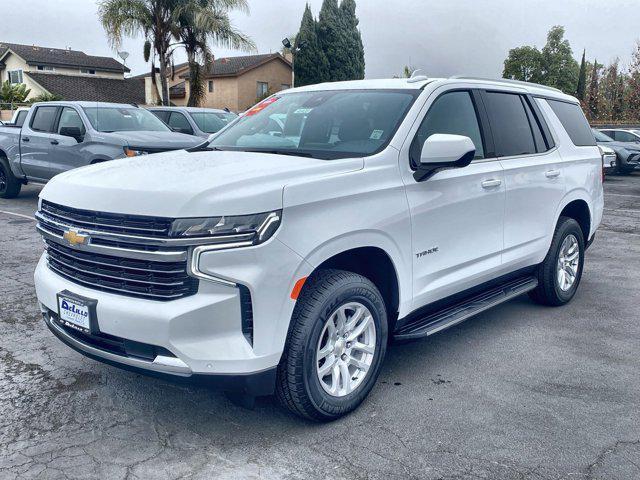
pixel 442 37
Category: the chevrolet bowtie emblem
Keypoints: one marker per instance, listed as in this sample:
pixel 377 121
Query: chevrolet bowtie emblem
pixel 75 238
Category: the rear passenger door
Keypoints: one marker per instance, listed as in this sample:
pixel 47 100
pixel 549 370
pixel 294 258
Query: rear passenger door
pixel 35 142
pixel 533 171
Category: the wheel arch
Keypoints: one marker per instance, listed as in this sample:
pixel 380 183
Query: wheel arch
pixel 577 207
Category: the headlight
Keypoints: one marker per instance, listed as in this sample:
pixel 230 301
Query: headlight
pixel 130 152
pixel 256 228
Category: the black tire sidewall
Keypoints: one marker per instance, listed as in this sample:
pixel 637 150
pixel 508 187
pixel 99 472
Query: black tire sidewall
pixel 351 292
pixel 568 227
pixel 13 185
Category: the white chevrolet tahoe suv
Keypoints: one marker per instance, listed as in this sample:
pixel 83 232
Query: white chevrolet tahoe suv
pixel 284 254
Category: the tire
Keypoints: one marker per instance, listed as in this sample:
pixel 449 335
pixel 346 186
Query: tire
pixel 10 186
pixel 298 385
pixel 551 289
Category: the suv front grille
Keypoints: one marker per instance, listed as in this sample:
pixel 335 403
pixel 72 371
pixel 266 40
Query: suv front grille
pixel 138 278
pixel 137 225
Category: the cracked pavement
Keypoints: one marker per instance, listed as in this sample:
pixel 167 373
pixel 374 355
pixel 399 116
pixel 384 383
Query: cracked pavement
pixel 518 392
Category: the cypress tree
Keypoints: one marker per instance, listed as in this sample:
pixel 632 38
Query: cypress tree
pixel 333 40
pixel 354 69
pixel 582 77
pixel 310 63
pixel 594 98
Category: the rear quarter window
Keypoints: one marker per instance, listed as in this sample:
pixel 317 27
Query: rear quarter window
pixel 574 122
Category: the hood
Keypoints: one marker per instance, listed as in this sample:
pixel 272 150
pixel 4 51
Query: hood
pixel 154 141
pixel 183 184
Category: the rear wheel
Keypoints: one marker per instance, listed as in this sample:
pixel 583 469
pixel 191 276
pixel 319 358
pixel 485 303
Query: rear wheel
pixel 335 347
pixel 9 185
pixel 560 273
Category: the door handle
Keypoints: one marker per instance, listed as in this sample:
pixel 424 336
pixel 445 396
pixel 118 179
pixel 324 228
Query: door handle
pixel 491 183
pixel 552 174
pixel 25 139
pixel 55 142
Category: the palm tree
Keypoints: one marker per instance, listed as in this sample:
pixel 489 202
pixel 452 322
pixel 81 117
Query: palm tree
pixel 203 21
pixel 153 18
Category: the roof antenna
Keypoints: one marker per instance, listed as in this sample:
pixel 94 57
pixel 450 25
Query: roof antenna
pixel 417 78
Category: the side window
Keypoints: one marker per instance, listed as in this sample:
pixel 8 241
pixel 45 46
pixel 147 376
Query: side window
pixel 22 114
pixel 70 118
pixel 626 137
pixel 162 115
pixel 574 122
pixel 43 119
pixel 179 122
pixel 541 146
pixel 452 113
pixel 509 124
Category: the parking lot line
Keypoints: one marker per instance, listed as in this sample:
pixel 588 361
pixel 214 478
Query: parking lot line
pixel 622 195
pixel 18 215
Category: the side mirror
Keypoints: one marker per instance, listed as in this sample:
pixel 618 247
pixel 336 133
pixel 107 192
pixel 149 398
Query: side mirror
pixel 442 151
pixel 73 132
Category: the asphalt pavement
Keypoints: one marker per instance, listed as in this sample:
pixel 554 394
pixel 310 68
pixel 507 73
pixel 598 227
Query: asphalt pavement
pixel 518 392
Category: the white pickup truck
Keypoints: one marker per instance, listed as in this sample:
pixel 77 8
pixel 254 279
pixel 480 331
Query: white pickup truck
pixel 287 252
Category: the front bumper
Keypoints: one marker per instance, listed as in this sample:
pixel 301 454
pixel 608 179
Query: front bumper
pixel 202 333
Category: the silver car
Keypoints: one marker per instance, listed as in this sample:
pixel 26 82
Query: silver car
pixel 201 122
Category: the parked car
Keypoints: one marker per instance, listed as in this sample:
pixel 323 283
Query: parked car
pixel 59 136
pixel 624 135
pixel 201 122
pixel 261 263
pixel 627 155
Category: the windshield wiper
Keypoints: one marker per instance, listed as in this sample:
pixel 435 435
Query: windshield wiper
pixel 292 153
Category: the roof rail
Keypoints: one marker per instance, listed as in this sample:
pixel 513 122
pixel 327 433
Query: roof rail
pixel 509 81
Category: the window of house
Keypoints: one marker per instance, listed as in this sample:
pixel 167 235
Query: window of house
pixel 15 76
pixel 210 84
pixel 87 71
pixel 263 89
pixel 453 114
pixel 510 125
pixel 45 68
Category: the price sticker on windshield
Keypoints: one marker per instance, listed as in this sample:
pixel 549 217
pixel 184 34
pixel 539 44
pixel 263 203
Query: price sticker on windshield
pixel 261 106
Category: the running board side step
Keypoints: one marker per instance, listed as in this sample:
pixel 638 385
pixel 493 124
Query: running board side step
pixel 459 312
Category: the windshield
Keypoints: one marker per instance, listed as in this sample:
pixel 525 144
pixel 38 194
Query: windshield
pixel 601 137
pixel 327 124
pixel 124 119
pixel 212 122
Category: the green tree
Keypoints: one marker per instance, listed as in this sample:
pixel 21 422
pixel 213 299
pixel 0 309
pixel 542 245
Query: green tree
pixel 632 94
pixel 45 97
pixel 560 69
pixel 334 40
pixel 11 93
pixel 199 23
pixel 593 101
pixel 154 19
pixel 524 64
pixel 354 68
pixel 310 64
pixel 582 78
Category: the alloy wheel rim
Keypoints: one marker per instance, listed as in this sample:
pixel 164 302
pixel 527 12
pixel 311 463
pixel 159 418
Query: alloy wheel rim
pixel 568 263
pixel 345 349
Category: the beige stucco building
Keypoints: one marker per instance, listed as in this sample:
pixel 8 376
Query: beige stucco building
pixel 235 83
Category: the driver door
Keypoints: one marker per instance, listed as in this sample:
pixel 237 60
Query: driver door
pixel 66 152
pixel 457 214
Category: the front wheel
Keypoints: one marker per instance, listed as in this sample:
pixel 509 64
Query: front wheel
pixel 335 346
pixel 9 185
pixel 560 273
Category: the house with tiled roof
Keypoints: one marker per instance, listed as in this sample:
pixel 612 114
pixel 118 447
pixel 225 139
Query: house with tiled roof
pixel 69 74
pixel 236 83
